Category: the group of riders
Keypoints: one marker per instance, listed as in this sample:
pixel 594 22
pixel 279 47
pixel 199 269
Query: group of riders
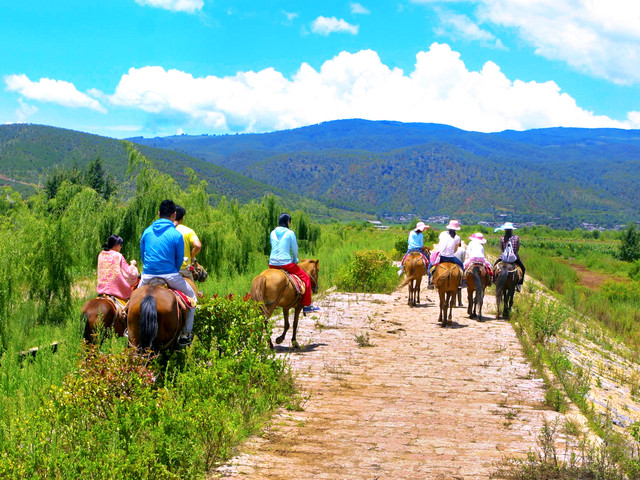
pixel 451 249
pixel 167 250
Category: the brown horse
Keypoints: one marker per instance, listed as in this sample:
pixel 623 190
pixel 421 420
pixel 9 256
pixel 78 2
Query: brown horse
pixel 101 312
pixel 272 289
pixel 507 277
pixel 153 319
pixel 446 279
pixel 414 269
pixel 477 279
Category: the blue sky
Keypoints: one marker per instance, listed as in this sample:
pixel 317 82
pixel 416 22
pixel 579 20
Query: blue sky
pixel 126 68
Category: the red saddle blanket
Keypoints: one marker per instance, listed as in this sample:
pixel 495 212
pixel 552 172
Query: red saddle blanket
pixel 184 301
pixel 297 283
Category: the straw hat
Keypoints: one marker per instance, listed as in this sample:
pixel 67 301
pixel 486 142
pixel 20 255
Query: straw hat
pixel 421 226
pixel 453 225
pixel 479 237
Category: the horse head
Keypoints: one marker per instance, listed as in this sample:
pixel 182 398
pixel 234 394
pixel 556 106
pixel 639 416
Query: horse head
pixel 312 267
pixel 198 272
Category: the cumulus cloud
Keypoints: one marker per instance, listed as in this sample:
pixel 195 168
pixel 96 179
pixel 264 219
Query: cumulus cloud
pixel 358 9
pixel 189 6
pixel 53 91
pixel 460 26
pixel 597 37
pixel 440 89
pixel 328 25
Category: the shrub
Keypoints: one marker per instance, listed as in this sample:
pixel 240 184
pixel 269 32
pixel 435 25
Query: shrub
pixel 368 271
pixel 630 244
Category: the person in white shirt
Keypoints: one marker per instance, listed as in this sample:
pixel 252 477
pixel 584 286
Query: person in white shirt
pixel 475 252
pixel 448 243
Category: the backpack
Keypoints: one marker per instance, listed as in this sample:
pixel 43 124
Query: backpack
pixel 508 255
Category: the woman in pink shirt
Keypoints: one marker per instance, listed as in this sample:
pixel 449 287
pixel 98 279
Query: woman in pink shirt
pixel 115 275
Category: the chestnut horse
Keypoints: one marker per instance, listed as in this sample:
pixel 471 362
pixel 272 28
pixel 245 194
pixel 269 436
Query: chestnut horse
pixel 153 319
pixel 477 279
pixel 99 312
pixel 446 279
pixel 415 269
pixel 507 277
pixel 272 289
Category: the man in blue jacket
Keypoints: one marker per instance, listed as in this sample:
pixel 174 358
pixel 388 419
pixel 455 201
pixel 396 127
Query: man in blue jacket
pixel 162 253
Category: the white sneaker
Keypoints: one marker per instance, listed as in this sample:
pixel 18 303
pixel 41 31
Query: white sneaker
pixel 400 272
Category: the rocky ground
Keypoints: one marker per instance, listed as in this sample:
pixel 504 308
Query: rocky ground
pixel 389 394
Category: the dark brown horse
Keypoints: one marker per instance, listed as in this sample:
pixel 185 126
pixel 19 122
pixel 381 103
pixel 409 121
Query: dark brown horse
pixel 153 320
pixel 101 313
pixel 507 277
pixel 415 269
pixel 272 289
pixel 477 279
pixel 446 279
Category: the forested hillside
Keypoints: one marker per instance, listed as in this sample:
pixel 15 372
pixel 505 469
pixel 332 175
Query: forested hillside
pixel 29 153
pixel 559 176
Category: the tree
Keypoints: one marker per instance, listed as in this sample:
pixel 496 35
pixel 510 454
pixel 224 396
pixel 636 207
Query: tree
pixel 96 178
pixel 630 243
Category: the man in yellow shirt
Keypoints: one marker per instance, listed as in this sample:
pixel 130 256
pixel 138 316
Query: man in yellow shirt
pixel 192 243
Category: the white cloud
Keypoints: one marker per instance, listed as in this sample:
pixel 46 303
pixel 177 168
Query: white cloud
pixel 455 26
pixel 327 25
pixel 189 6
pixel 53 91
pixel 24 111
pixel 358 9
pixel 598 37
pixel 290 16
pixel 440 89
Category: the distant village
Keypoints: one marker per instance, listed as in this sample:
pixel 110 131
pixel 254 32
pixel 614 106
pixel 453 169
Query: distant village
pixel 443 219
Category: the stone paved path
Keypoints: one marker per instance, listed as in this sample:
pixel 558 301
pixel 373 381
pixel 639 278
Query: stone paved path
pixel 422 403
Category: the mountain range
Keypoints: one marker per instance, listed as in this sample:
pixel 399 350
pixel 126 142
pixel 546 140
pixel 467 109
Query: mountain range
pixel 353 168
pixel 557 176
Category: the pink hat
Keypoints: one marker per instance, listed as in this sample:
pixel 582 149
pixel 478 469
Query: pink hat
pixel 453 225
pixel 479 237
pixel 421 226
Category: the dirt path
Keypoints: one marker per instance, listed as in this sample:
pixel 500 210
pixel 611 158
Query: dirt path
pixel 422 403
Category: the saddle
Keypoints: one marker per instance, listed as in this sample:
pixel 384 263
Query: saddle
pixel 469 269
pixel 511 268
pixel 298 284
pixel 424 258
pixel 118 303
pixel 184 301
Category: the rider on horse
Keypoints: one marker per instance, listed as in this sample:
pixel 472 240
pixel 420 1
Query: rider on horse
pixel 415 243
pixel 115 275
pixel 192 243
pixel 510 246
pixel 448 243
pixel 475 252
pixel 284 256
pixel 162 252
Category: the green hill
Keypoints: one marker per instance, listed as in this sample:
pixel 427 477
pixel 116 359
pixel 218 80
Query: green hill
pixel 29 152
pixel 556 176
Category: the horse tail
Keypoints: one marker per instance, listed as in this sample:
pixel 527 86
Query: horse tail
pixel 148 321
pixel 501 281
pixel 258 287
pixel 477 279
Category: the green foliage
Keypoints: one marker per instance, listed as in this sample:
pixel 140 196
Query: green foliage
pixel 369 271
pixel 230 324
pixel 630 243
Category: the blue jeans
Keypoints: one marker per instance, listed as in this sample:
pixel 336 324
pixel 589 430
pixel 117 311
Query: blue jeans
pixel 455 260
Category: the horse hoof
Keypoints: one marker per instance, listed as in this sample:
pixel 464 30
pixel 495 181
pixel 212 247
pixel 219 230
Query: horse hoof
pixel 295 345
pixel 279 340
